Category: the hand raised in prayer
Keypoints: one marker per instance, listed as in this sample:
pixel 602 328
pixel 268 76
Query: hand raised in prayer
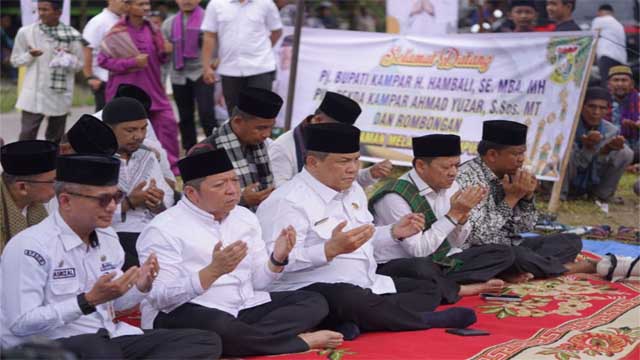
pixel 381 169
pixel 615 144
pixel 348 241
pixel 148 273
pixel 591 139
pixel 142 60
pixel 107 289
pixel 517 187
pixel 284 244
pixel 225 260
pixel 153 198
pixel 253 197
pixel 628 123
pixel 408 225
pixel 137 197
pixel 464 200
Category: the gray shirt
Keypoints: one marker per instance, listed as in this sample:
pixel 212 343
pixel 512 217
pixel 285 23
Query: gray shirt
pixel 192 69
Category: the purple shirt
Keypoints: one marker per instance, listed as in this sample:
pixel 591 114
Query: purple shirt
pixel 147 78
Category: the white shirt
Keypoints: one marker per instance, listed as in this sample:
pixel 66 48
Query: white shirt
pixel 93 34
pixel 244 30
pixel 151 141
pixel 610 30
pixel 314 210
pixel 392 207
pixel 141 166
pixel 183 238
pixel 284 161
pixel 36 96
pixel 44 268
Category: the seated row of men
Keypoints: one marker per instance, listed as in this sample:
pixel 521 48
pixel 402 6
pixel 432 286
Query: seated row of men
pixel 310 257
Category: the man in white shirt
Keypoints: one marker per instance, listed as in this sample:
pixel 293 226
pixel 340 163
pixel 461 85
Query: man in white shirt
pixel 243 33
pixel 286 153
pixel 51 51
pixel 61 279
pixel 216 267
pixel 334 252
pixel 93 33
pixel 430 188
pixel 28 170
pixel 150 141
pixel 146 191
pixel 611 50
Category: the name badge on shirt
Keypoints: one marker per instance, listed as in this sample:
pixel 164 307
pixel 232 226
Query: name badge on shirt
pixel 65 273
pixel 107 266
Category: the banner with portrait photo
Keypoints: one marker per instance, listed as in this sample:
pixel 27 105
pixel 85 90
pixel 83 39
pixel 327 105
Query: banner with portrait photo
pixel 411 86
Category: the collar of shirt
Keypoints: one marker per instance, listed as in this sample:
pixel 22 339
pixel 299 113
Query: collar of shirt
pixel 486 172
pixel 70 239
pixel 326 193
pixel 423 188
pixel 201 214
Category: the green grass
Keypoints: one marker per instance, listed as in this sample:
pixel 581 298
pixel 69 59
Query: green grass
pixel 82 96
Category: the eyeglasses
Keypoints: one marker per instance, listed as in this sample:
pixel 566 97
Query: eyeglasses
pixel 103 200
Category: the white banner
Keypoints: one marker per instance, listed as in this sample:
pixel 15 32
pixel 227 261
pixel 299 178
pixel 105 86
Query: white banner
pixel 29 12
pixel 412 86
pixel 422 17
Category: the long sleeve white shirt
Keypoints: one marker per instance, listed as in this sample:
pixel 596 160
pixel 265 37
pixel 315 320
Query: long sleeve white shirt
pixel 392 207
pixel 284 162
pixel 36 96
pixel 183 239
pixel 141 166
pixel 43 270
pixel 612 39
pixel 314 210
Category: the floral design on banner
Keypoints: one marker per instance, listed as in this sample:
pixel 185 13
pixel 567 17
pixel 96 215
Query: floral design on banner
pixel 565 296
pixel 607 342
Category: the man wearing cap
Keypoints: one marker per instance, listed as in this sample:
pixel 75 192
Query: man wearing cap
pixel 61 278
pixel 430 188
pixel 508 210
pixel 146 191
pixel 625 107
pixel 287 151
pixel 28 172
pixel 523 15
pixel 214 274
pixel 243 137
pixel 334 251
pixel 51 52
pixel 167 162
pixel 600 155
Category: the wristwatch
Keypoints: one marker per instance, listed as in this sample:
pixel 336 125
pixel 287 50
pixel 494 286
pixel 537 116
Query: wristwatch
pixel 278 263
pixel 85 307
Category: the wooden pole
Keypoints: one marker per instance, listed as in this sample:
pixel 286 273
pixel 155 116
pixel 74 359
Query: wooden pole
pixel 294 64
pixel 554 201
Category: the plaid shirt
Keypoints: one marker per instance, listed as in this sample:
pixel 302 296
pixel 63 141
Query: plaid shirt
pixel 493 221
pixel 251 162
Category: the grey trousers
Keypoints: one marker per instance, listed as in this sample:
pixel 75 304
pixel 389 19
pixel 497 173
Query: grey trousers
pixel 610 169
pixel 31 124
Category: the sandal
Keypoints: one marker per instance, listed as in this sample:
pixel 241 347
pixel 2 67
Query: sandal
pixel 599 232
pixel 628 234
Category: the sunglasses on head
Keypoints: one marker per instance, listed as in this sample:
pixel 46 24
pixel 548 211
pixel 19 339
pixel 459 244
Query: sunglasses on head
pixel 103 200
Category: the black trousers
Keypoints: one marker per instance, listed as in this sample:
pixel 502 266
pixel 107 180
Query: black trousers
pixel 187 96
pixel 390 312
pixel 30 124
pixel 267 329
pixel 153 344
pixel 128 242
pixel 545 256
pixel 604 64
pixel 232 85
pixel 99 97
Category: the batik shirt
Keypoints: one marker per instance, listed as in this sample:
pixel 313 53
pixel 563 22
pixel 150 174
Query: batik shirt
pixel 493 221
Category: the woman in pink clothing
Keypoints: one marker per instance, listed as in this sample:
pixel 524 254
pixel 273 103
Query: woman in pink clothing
pixel 133 52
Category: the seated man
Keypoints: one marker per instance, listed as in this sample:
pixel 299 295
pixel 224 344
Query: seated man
pixel 61 278
pixel 600 155
pixel 146 191
pixel 625 107
pixel 430 188
pixel 26 184
pixel 244 136
pixel 509 209
pixel 151 139
pixel 215 267
pixel 333 254
pixel 287 151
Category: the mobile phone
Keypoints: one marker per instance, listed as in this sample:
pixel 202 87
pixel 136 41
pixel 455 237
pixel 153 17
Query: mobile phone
pixel 498 297
pixel 467 332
